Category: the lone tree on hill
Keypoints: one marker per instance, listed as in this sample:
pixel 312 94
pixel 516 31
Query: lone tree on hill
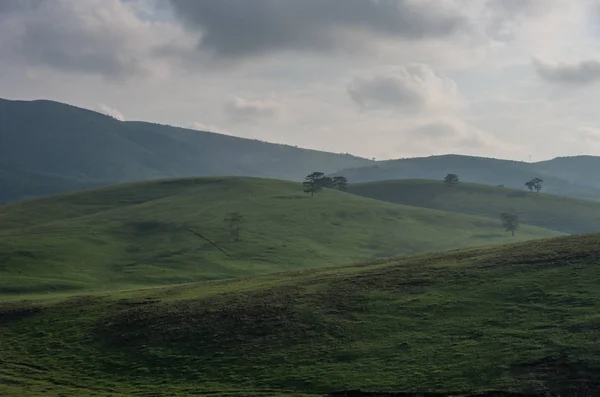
pixel 315 182
pixel 235 219
pixel 451 179
pixel 510 222
pixel 534 184
pixel 312 183
pixel 340 183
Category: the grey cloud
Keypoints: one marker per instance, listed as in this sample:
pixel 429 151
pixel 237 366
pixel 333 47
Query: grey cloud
pixel 241 28
pixel 584 72
pixel 413 87
pixel 452 133
pixel 95 36
pixel 436 130
pixel 384 91
pixel 240 109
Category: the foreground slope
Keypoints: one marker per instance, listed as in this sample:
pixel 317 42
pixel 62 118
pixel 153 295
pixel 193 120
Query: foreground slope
pixel 516 317
pixel 564 214
pixel 81 148
pixel 487 171
pixel 172 231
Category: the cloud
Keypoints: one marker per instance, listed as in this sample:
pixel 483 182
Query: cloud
pixel 196 125
pixel 240 109
pixel 578 73
pixel 453 133
pixel 110 111
pixel 102 37
pixel 241 28
pixel 588 134
pixel 410 88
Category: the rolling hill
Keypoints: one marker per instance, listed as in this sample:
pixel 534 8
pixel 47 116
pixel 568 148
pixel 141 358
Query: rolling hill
pixel 173 231
pixel 568 182
pixel 519 318
pixel 42 142
pixel 564 214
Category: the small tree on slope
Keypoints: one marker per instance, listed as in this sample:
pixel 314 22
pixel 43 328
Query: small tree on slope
pixel 510 222
pixel 451 179
pixel 235 219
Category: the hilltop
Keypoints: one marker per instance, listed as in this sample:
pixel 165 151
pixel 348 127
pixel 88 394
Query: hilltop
pixel 44 141
pixel 173 231
pixel 567 176
pixel 564 214
pixel 517 317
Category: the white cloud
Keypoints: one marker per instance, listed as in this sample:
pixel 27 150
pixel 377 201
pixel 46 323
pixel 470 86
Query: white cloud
pixel 110 111
pixel 196 125
pixel 240 109
pixel 410 88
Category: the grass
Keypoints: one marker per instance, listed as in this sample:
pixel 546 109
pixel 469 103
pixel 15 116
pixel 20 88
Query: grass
pixel 519 317
pixel 172 231
pixel 564 214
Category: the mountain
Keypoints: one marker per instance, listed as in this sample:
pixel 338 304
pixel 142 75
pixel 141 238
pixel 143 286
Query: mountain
pixel 173 231
pixel 519 318
pixel 49 147
pixel 568 182
pixel 563 214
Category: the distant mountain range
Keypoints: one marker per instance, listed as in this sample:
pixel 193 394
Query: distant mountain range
pixel 566 176
pixel 49 147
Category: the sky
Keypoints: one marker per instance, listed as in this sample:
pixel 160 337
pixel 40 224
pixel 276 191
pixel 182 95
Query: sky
pixel 514 79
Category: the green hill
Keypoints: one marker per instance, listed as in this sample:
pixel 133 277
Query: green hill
pixel 518 317
pixel 49 147
pixel 172 231
pixel 564 214
pixel 562 176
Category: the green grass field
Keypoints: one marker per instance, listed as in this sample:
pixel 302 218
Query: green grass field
pixel 517 317
pixel 564 214
pixel 172 231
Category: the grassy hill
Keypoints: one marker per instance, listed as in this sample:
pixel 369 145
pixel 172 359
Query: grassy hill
pixel 564 214
pixel 518 317
pixel 172 231
pixel 494 172
pixel 82 148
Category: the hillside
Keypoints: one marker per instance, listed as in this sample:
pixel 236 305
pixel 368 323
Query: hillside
pixel 84 149
pixel 486 171
pixel 173 231
pixel 517 317
pixel 564 214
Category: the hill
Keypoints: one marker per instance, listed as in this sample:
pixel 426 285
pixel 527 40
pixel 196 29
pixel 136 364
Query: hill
pixel 82 148
pixel 172 231
pixel 519 317
pixel 486 171
pixel 564 214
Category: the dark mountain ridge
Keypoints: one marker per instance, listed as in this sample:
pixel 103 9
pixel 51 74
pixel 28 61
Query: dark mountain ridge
pixel 42 141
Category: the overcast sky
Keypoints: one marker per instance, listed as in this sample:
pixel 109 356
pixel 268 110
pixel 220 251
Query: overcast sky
pixel 376 78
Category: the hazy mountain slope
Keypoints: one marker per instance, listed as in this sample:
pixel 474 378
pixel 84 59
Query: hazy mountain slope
pixel 173 231
pixel 487 171
pixel 519 318
pixel 577 169
pixel 46 137
pixel 564 214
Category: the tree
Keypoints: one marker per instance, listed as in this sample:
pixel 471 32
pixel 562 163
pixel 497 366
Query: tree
pixel 340 183
pixel 315 182
pixel 510 222
pixel 451 179
pixel 234 219
pixel 534 184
